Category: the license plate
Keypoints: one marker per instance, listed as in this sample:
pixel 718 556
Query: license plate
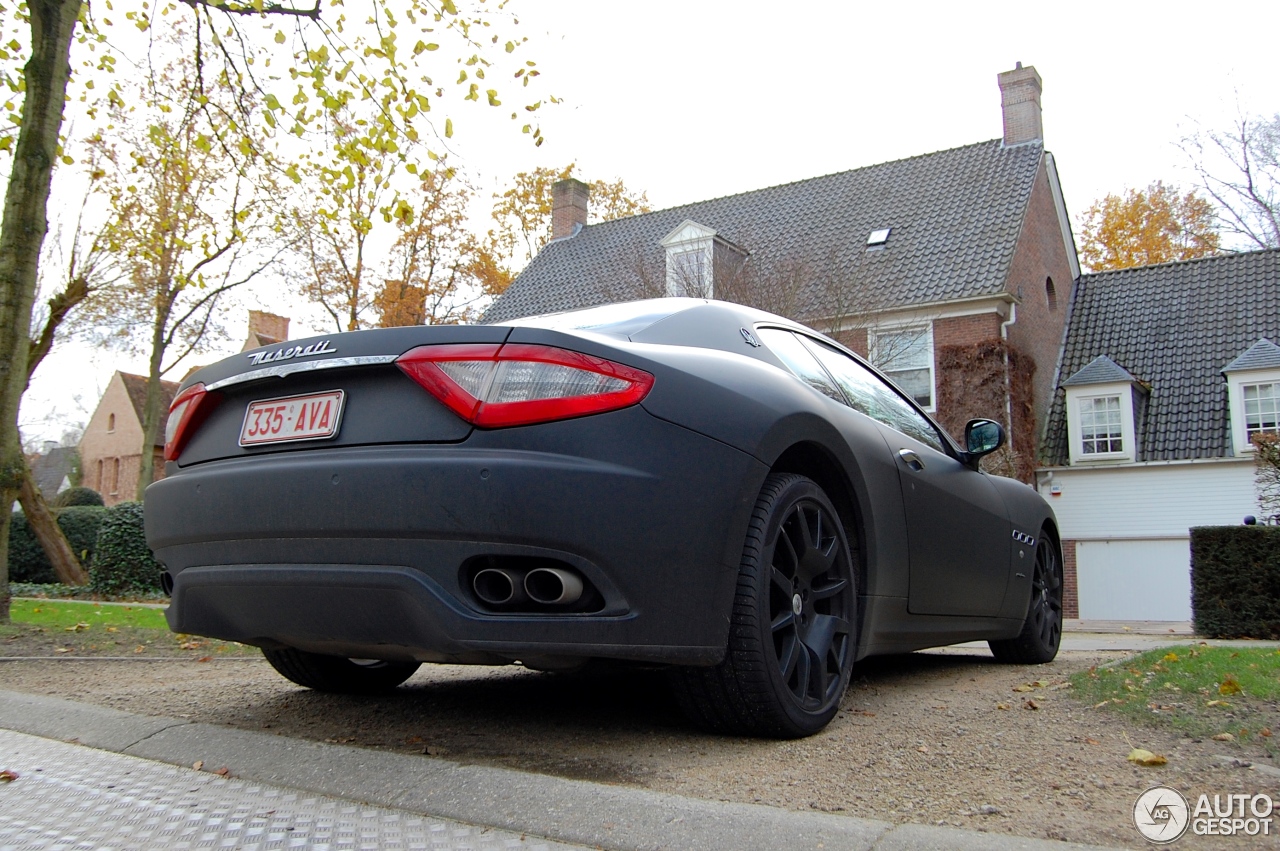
pixel 314 416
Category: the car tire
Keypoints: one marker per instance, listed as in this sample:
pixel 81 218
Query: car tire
pixel 785 671
pixel 1042 629
pixel 337 673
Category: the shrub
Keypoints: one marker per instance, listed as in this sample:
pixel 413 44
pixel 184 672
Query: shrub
pixel 77 496
pixel 122 562
pixel 27 559
pixel 1235 581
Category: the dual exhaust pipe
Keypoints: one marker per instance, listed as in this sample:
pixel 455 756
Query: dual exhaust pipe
pixel 545 586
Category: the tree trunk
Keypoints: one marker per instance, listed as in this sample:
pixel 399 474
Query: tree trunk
pixel 22 233
pixel 152 410
pixel 45 526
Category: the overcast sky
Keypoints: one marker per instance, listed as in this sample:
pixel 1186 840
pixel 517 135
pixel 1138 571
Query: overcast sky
pixel 704 98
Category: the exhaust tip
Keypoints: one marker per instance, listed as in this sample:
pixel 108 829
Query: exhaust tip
pixel 495 587
pixel 166 583
pixel 552 586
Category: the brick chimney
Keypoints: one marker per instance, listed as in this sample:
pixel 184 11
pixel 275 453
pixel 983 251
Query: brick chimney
pixel 1020 101
pixel 569 200
pixel 266 329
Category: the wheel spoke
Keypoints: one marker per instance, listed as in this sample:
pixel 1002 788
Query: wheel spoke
pixel 781 582
pixel 790 655
pixel 820 632
pixel 816 686
pixel 786 548
pixel 830 590
pixel 784 619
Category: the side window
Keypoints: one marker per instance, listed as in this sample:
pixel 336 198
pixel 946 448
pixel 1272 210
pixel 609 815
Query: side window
pixel 869 394
pixel 798 359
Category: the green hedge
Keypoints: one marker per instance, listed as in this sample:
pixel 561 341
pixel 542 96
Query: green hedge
pixel 1235 581
pixel 27 561
pixel 122 563
pixel 77 496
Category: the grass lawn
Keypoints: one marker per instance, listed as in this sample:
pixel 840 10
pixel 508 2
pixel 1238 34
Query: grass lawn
pixel 43 627
pixel 1231 694
pixel 77 616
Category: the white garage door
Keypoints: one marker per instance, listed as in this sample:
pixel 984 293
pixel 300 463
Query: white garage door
pixel 1134 580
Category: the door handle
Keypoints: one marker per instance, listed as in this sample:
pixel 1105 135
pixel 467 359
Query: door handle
pixel 911 459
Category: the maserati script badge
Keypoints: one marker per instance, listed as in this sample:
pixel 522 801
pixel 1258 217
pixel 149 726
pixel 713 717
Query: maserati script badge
pixel 320 348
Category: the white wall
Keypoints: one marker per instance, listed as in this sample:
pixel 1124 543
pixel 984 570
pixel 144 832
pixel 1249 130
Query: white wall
pixel 1150 500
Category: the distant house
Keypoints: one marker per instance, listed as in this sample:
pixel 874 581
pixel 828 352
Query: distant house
pixel 111 448
pixel 53 468
pixel 1166 373
pixel 950 270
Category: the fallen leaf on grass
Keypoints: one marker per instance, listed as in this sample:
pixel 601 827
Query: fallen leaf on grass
pixel 112 629
pixel 1024 687
pixel 205 659
pixel 1030 704
pixel 8 776
pixel 1230 685
pixel 1217 703
pixel 1088 741
pixel 198 764
pixel 1100 705
pixel 139 649
pixel 1224 737
pixel 80 627
pixel 1171 657
pixel 1265 732
pixel 1142 756
pixel 63 649
pixel 1002 706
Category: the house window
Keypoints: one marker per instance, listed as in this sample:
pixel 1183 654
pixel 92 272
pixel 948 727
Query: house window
pixel 111 422
pixel 115 476
pixel 906 356
pixel 98 480
pixel 1261 409
pixel 1050 294
pixel 1101 424
pixel 689 271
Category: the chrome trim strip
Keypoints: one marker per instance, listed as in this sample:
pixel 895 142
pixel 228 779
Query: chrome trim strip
pixel 290 368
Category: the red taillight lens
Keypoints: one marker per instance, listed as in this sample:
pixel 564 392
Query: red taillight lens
pixel 188 410
pixel 493 385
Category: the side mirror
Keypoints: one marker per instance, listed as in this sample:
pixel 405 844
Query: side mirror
pixel 982 437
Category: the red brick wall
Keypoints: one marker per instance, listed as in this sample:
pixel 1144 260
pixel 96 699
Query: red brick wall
pixel 1070 594
pixel 853 338
pixel 1040 254
pixel 965 330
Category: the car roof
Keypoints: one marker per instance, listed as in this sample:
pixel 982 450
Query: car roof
pixel 625 320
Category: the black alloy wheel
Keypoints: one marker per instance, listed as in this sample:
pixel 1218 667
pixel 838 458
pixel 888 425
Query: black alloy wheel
pixel 337 673
pixel 793 631
pixel 1042 630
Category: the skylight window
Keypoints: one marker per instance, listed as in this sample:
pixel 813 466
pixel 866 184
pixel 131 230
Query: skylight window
pixel 879 237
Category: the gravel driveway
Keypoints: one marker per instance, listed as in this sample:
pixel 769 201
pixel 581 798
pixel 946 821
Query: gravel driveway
pixel 920 738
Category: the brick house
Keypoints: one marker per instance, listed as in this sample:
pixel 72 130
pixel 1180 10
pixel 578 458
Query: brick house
pixel 111 447
pixel 1166 373
pixel 951 270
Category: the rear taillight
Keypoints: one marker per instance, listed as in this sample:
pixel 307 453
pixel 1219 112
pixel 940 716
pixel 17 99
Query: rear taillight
pixel 494 385
pixel 189 409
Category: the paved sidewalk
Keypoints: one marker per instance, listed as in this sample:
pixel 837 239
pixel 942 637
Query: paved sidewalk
pixel 337 791
pixel 74 797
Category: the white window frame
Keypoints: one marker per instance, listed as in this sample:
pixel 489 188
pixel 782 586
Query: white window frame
pixel 1075 426
pixel 1236 382
pixel 926 333
pixel 690 239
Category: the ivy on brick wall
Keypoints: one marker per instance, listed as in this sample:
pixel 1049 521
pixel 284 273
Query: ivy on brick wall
pixel 971 383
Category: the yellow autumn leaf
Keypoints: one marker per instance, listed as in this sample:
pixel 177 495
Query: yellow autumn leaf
pixel 1171 657
pixel 1142 756
pixel 1230 685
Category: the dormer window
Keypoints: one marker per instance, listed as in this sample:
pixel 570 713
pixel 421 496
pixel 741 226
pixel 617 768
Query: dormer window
pixel 1253 394
pixel 690 260
pixel 1100 412
pixel 699 260
pixel 1101 425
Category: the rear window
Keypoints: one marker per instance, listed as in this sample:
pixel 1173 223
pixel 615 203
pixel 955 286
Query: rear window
pixel 615 320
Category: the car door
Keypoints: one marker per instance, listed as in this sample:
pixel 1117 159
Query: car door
pixel 958 533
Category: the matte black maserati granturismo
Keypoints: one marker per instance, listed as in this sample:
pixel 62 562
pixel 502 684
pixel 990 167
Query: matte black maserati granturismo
pixel 679 482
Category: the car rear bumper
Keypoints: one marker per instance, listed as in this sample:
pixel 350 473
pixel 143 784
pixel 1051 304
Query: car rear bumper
pixel 361 551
